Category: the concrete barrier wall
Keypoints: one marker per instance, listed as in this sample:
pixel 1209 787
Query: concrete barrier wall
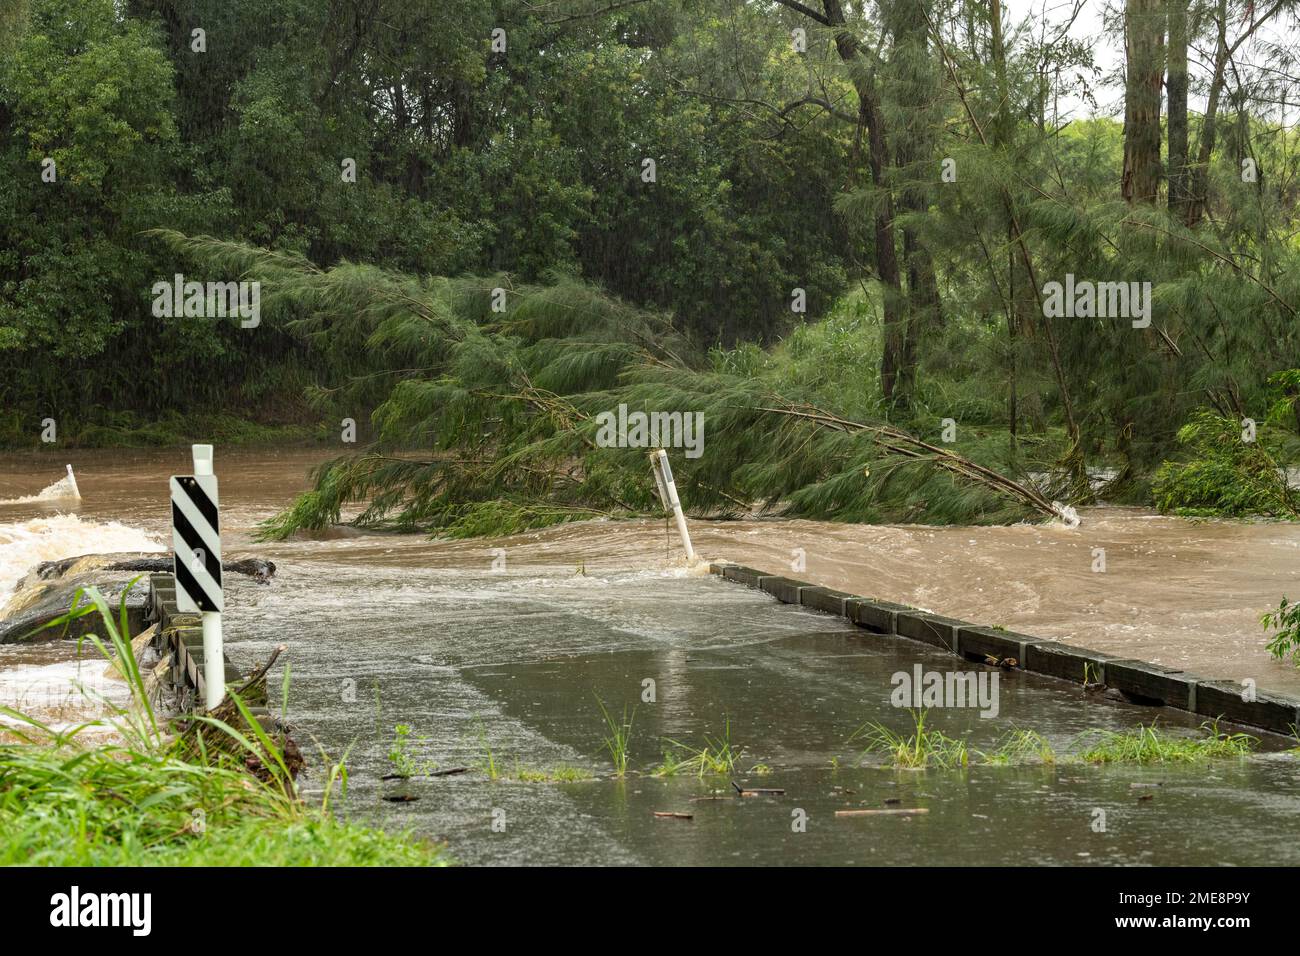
pixel 1138 681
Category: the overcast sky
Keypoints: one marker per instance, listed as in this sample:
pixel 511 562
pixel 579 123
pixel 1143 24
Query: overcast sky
pixel 1108 47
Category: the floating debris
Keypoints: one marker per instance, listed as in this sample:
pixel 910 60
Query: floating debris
pixel 907 812
pixel 673 815
pixel 758 791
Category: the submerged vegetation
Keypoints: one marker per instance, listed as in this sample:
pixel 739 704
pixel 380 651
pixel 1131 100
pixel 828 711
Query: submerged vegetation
pixel 618 736
pixel 1284 644
pixel 1150 744
pixel 922 746
pixel 1020 747
pixel 715 756
pixel 404 761
pixel 149 798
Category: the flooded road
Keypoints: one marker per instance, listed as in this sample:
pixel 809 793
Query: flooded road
pixel 495 653
pixel 1186 594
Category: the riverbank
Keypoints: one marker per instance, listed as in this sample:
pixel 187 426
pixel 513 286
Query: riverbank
pixel 127 430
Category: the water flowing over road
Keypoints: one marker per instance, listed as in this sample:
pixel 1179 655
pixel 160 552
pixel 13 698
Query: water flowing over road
pixel 497 652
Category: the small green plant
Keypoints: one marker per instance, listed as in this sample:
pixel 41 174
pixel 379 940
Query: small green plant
pixel 400 753
pixel 922 748
pixel 560 774
pixel 760 770
pixel 620 732
pixel 488 761
pixel 1150 744
pixel 1020 747
pixel 1286 642
pixel 717 756
pixel 670 764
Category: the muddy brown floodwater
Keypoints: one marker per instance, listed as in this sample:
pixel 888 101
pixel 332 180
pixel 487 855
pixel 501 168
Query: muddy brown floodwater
pixel 505 645
pixel 1176 592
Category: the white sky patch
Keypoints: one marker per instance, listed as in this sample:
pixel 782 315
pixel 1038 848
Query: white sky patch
pixel 1090 26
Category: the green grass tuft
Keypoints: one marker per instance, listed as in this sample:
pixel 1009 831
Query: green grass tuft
pixel 148 799
pixel 1150 744
pixel 922 748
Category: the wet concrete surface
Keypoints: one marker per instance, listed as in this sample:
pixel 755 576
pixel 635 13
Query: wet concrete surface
pixel 515 663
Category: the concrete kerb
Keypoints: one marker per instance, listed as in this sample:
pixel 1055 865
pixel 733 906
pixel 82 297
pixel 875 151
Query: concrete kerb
pixel 1138 681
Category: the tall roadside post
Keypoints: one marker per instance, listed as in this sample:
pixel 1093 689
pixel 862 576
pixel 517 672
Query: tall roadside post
pixel 196 546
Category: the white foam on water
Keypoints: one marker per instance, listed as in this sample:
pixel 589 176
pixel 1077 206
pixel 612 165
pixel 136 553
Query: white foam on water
pixel 64 488
pixel 25 544
pixel 61 694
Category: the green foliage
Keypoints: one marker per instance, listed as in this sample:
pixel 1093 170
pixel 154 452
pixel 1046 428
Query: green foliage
pixel 716 756
pixel 404 762
pixel 618 737
pixel 921 748
pixel 526 164
pixel 1018 747
pixel 1286 619
pixel 1226 475
pixel 526 171
pixel 1146 745
pixel 151 800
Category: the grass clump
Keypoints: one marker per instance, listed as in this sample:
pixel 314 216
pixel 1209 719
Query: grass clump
pixel 149 798
pixel 618 736
pixel 1150 744
pixel 404 762
pixel 560 774
pixel 920 749
pixel 1019 747
pixel 717 756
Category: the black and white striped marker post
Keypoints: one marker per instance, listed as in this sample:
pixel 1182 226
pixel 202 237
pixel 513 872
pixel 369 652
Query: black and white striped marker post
pixel 196 543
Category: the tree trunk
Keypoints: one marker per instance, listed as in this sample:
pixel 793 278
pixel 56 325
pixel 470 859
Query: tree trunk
pixel 1177 92
pixel 1200 175
pixel 1144 38
pixel 892 359
pixel 1003 127
pixel 914 79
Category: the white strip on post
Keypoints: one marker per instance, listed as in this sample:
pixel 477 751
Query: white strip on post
pixel 668 493
pixel 214 658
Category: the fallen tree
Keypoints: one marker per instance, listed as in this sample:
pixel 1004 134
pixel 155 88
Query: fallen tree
pixel 510 389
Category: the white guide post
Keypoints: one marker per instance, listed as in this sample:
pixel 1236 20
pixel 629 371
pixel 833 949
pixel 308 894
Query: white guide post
pixel 668 495
pixel 214 656
pixel 196 540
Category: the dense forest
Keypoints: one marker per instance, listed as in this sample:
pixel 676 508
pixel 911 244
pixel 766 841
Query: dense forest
pixel 922 260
